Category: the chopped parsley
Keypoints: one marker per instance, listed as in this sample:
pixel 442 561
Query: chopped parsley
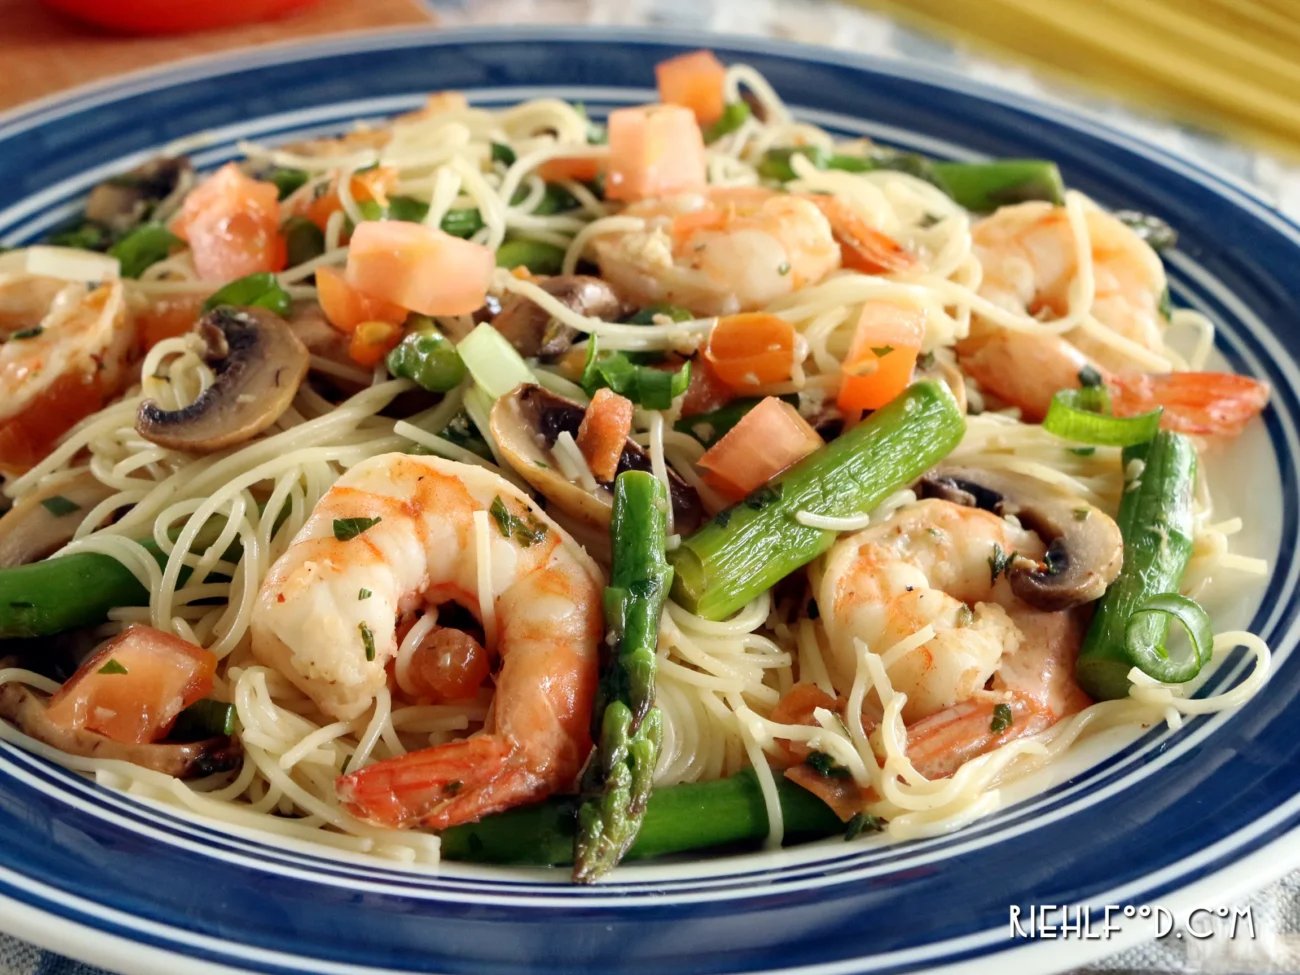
pixel 825 766
pixel 346 529
pixel 881 351
pixel 364 594
pixel 503 154
pixel 761 498
pixel 1089 378
pixel 1082 451
pixel 722 518
pixel 999 562
pixel 1080 514
pixel 528 532
pixel 28 333
pixel 783 268
pixel 863 823
pixel 367 640
pixel 112 667
pixel 1002 719
pixel 59 506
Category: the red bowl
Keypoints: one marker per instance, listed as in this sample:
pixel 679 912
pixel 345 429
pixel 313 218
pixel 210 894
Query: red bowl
pixel 175 16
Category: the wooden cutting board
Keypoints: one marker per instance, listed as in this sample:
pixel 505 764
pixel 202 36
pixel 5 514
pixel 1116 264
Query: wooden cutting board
pixel 44 52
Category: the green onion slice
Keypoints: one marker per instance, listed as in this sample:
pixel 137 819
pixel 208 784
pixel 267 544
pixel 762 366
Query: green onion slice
pixel 1083 415
pixel 1144 635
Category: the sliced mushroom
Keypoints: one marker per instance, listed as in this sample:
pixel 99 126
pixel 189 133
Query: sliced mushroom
pixel 124 202
pixel 259 364
pixel 526 424
pixel 532 330
pixel 1084 547
pixel 46 518
pixel 26 708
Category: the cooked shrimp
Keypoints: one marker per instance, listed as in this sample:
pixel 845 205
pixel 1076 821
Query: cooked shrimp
pixel 417 547
pixel 60 368
pixel 719 252
pixel 1031 264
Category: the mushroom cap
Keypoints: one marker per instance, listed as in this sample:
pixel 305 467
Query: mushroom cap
pixel 1085 549
pixel 259 364
pixel 531 329
pixel 526 423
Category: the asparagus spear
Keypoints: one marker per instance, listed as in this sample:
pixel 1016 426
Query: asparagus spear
pixel 538 257
pixel 983 187
pixel 428 358
pixel 693 816
pixel 747 549
pixel 1155 518
pixel 618 780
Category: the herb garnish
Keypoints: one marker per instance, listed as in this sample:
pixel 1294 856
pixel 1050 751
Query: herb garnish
pixel 881 351
pixel 364 594
pixel 722 518
pixel 1082 451
pixel 1002 719
pixel 28 333
pixel 999 562
pixel 368 640
pixel 762 497
pixel 863 823
pixel 825 766
pixel 59 506
pixel 112 667
pixel 1080 514
pixel 346 529
pixel 529 532
pixel 1089 378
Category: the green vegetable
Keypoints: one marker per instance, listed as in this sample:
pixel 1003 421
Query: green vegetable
pixel 86 236
pixel 647 315
pixel 502 153
pixel 1131 625
pixel 303 240
pixel 646 386
pixel 27 333
pixel 427 358
pixel 346 529
pixel 144 247
pixel 678 819
pixel 825 766
pixel 862 823
pixel 112 667
pixel 207 718
pixel 461 431
pixel 627 728
pixel 363 594
pixel 983 187
pixel 59 506
pixel 493 362
pixel 288 180
pixel 538 257
pixel 724 565
pixel 733 117
pixel 261 290
pixel 556 199
pixel 1002 718
pixel 367 640
pixel 1166 306
pixel 527 532
pixel 776 164
pixel 1150 228
pixel 1083 415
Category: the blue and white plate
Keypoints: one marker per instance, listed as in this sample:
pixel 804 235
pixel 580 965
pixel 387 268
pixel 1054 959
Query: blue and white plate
pixel 1176 819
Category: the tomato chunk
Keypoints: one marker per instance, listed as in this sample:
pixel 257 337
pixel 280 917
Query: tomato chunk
pixel 346 308
pixel 751 350
pixel 372 184
pixel 883 354
pixel 420 268
pixel 132 688
pixel 232 224
pixel 695 81
pixel 603 433
pixel 768 439
pixel 654 150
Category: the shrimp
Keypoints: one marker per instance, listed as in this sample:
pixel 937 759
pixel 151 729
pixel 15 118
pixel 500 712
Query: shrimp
pixel 403 529
pixel 719 252
pixel 943 565
pixel 68 356
pixel 1030 263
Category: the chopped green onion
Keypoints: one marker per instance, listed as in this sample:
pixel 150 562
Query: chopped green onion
pixel 260 290
pixel 862 823
pixel 59 506
pixel 143 247
pixel 426 357
pixel 502 153
pixel 346 529
pixel 528 532
pixel 112 667
pixel 303 240
pixel 364 594
pixel 367 640
pixel 493 362
pixel 647 315
pixel 646 386
pixel 88 236
pixel 28 333
pixel 1150 656
pixel 1079 415
pixel 556 199
pixel 733 117
pixel 825 766
pixel 288 180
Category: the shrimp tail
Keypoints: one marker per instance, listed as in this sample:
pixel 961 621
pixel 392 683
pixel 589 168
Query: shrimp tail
pixel 438 787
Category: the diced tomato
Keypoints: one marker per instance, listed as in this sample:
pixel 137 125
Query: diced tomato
pixel 232 224
pixel 166 318
pixel 768 439
pixel 696 81
pixel 751 350
pixel 371 341
pixel 862 247
pixel 706 392
pixel 1198 403
pixel 884 352
pixel 603 433
pixel 346 308
pixel 654 150
pixel 449 665
pixel 371 184
pixel 420 268
pixel 133 688
pixel 581 169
